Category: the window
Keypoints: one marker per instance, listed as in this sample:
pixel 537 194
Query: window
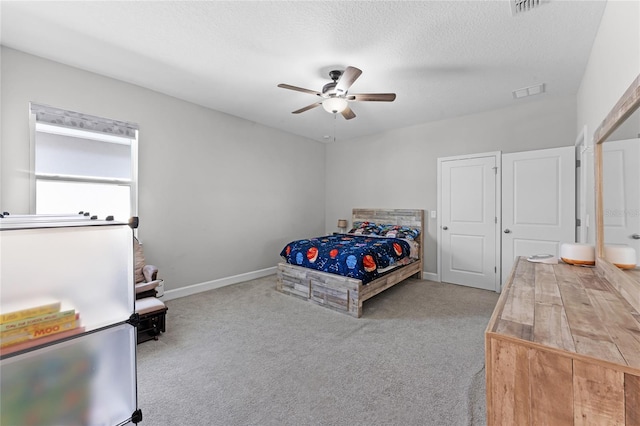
pixel 83 163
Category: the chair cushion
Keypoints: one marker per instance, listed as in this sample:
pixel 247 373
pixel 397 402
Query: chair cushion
pixel 149 304
pixel 139 261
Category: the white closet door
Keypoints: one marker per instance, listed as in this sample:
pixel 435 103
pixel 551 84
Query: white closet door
pixel 468 222
pixel 538 203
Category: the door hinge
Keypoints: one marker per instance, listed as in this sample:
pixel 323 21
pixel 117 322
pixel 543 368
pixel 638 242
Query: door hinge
pixel 578 163
pixel 578 222
pixel 495 269
pixel 495 170
pixel 496 219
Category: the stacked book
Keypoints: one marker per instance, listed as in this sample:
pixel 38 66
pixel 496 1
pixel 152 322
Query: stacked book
pixel 35 324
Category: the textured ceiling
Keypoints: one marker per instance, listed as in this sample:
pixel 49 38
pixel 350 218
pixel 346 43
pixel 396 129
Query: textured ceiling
pixel 442 58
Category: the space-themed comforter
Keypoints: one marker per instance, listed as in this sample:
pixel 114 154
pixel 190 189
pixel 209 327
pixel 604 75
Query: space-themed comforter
pixel 355 256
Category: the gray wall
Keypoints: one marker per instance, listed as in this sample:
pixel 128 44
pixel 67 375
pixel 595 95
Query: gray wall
pixel 218 195
pixel 201 170
pixel 398 169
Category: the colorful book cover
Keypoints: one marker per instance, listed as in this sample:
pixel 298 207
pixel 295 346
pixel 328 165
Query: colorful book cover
pixel 30 329
pixel 40 330
pixel 28 344
pixel 25 322
pixel 11 313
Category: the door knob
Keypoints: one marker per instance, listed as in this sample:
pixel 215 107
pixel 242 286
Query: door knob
pixel 444 228
pixel 636 236
pixel 507 231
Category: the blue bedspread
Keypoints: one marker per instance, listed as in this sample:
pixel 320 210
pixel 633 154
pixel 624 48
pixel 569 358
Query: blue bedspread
pixel 354 256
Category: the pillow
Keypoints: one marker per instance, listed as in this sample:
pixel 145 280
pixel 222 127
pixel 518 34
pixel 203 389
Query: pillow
pixel 365 228
pixel 398 231
pixel 139 261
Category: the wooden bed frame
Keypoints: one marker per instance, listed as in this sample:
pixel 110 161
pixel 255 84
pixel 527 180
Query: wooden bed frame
pixel 348 294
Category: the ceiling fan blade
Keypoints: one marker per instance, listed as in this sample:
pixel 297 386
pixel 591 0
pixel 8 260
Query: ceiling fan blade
pixel 348 77
pixel 348 113
pixel 307 108
pixel 299 89
pixel 373 97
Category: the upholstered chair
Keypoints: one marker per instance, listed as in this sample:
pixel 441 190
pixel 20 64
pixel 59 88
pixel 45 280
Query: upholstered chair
pixel 151 310
pixel 146 276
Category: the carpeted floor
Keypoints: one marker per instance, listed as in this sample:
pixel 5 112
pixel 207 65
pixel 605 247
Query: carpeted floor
pixel 248 355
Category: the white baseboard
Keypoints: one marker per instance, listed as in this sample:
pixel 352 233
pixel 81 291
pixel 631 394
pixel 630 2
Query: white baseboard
pixel 431 276
pixel 222 282
pixel 235 279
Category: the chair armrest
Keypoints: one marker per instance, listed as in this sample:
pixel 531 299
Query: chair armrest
pixel 143 286
pixel 150 272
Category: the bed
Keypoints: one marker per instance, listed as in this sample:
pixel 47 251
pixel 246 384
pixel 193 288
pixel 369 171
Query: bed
pixel 345 293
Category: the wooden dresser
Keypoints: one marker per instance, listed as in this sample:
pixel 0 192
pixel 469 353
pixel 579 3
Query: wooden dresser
pixel 562 348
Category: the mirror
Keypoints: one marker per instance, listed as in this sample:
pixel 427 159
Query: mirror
pixel 618 192
pixel 621 186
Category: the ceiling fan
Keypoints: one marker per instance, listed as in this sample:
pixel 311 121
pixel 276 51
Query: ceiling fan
pixel 335 98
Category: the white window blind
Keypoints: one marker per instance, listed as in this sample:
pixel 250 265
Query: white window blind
pixel 75 156
pixel 83 163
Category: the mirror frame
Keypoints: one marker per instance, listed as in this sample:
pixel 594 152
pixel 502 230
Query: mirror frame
pixel 624 282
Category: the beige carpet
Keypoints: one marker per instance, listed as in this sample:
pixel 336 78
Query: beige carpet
pixel 248 355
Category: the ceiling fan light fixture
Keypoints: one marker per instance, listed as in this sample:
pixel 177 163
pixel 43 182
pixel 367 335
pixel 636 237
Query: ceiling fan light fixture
pixel 335 105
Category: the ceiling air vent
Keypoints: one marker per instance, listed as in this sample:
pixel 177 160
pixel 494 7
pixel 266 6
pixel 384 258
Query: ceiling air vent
pixel 528 91
pixel 521 6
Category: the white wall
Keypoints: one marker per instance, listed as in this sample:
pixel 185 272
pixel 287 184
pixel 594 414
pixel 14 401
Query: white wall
pixel 219 195
pixel 613 64
pixel 398 169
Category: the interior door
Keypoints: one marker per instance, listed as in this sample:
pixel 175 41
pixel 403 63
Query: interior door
pixel 621 193
pixel 538 203
pixel 468 222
